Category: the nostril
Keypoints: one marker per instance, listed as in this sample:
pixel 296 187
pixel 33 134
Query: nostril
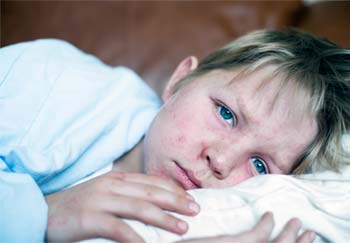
pixel 218 173
pixel 215 170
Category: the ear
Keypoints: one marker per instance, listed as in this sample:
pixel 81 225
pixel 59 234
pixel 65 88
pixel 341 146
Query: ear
pixel 185 67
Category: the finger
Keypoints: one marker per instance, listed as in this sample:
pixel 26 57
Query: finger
pixel 289 232
pixel 260 233
pixel 146 212
pixel 166 184
pixel 306 237
pixel 156 195
pixel 111 227
pixel 263 229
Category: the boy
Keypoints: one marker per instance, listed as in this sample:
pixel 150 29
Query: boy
pixel 269 102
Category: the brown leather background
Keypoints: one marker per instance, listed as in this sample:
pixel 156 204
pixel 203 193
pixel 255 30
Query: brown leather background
pixel 152 37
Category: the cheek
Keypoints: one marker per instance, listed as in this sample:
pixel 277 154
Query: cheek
pixel 183 128
pixel 187 137
pixel 238 175
pixel 181 134
pixel 181 139
pixel 244 173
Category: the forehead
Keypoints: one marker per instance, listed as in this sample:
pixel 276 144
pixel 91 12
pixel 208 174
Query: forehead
pixel 264 86
pixel 275 113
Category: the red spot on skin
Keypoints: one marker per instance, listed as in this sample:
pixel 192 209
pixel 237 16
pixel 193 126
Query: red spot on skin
pixel 181 139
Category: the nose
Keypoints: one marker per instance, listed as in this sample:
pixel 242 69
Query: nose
pixel 221 160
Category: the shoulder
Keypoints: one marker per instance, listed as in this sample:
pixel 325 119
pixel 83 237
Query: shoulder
pixel 40 48
pixel 38 45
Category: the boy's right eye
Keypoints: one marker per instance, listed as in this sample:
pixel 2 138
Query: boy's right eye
pixel 227 114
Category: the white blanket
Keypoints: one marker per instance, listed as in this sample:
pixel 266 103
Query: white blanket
pixel 321 201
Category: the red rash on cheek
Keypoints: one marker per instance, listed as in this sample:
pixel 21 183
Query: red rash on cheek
pixel 181 139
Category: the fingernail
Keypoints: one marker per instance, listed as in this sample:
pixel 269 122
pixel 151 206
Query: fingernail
pixel 193 207
pixel 312 236
pixel 182 226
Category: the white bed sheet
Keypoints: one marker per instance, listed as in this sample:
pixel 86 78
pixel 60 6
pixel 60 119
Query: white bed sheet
pixel 321 201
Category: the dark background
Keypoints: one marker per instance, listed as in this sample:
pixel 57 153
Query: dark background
pixel 152 37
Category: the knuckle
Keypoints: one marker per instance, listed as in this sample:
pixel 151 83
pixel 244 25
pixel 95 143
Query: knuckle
pixel 101 182
pixel 150 193
pixel 144 206
pixel 179 201
pixel 168 221
pixel 177 188
pixel 118 175
pixel 108 184
pixel 151 213
pixel 169 218
pixel 173 186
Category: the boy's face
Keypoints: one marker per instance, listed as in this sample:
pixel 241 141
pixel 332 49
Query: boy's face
pixel 215 132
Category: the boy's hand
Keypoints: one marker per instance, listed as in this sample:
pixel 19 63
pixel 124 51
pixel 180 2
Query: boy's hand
pixel 261 233
pixel 95 208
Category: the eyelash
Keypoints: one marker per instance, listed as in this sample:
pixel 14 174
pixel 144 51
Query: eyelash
pixel 220 105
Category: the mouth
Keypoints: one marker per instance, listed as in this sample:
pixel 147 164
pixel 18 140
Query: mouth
pixel 187 180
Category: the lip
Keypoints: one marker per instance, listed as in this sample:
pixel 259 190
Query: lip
pixel 186 178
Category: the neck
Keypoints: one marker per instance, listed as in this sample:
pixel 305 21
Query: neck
pixel 132 161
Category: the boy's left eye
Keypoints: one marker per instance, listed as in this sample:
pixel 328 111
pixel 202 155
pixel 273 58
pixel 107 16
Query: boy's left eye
pixel 260 166
pixel 227 115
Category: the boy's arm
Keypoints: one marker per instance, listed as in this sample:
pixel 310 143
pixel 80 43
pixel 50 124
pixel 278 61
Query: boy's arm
pixel 45 87
pixel 23 209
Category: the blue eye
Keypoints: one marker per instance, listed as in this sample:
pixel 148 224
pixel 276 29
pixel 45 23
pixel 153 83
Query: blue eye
pixel 227 115
pixel 260 165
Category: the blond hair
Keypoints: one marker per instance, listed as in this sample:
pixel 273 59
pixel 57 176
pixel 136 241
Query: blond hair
pixel 318 66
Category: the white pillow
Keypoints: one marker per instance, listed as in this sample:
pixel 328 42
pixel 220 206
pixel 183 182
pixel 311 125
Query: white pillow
pixel 321 201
